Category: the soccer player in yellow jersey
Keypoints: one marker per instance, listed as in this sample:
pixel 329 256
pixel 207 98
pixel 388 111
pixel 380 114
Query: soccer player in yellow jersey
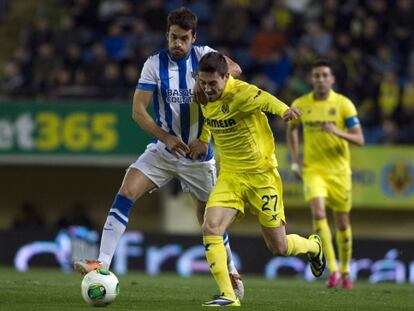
pixel 234 115
pixel 329 121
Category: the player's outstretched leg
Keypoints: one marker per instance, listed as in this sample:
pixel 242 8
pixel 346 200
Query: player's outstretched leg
pixel 113 229
pixel 235 277
pixel 317 262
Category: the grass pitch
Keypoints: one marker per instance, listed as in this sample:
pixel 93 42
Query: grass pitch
pixel 47 289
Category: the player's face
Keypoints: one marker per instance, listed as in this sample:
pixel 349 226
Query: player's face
pixel 322 79
pixel 179 41
pixel 212 84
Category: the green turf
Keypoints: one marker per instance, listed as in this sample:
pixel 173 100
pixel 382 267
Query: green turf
pixel 47 289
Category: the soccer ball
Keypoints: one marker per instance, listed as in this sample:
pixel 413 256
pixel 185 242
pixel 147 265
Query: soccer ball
pixel 100 287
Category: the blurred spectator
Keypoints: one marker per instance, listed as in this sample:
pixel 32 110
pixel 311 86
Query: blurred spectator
pixel 28 218
pixel 317 39
pixel 109 9
pixel 85 13
pixel 155 14
pixel 4 9
pixel 76 216
pixel 282 16
pixel 97 59
pixel 401 21
pixel 368 35
pixel 131 75
pixel 388 94
pixel 382 61
pixel 229 24
pixel 141 38
pixel 72 58
pixel 390 134
pixel 67 33
pixel 13 79
pixel 40 34
pixel 43 65
pixel 111 83
pixel 115 43
pixel 268 40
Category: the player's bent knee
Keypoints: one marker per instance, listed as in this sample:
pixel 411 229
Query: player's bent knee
pixel 127 192
pixel 211 227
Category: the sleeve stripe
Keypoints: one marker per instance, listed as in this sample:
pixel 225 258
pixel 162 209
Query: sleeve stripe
pixel 146 86
pixel 351 121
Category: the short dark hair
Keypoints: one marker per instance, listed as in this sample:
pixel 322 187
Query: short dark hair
pixel 184 18
pixel 322 63
pixel 213 62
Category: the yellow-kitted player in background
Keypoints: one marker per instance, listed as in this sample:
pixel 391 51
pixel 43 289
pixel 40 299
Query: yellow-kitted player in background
pixel 329 121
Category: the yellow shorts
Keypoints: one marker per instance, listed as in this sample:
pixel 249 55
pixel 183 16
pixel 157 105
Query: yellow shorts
pixel 336 189
pixel 262 191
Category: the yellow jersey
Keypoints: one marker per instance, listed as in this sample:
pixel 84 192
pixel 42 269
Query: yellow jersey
pixel 323 151
pixel 240 129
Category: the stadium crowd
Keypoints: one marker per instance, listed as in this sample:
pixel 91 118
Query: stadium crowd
pixel 98 47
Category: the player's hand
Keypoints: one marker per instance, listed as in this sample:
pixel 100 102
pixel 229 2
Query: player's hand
pixel 296 170
pixel 176 146
pixel 330 127
pixel 291 114
pixel 198 149
pixel 200 96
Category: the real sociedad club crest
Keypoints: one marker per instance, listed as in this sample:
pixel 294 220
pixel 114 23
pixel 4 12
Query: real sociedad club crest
pixel 225 108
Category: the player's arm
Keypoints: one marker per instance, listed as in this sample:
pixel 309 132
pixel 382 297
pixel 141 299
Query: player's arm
pixel 293 145
pixel 234 68
pixel 141 101
pixel 353 134
pixel 199 146
pixel 271 104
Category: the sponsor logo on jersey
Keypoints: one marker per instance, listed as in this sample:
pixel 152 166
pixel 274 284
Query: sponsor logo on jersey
pixel 220 123
pixel 181 96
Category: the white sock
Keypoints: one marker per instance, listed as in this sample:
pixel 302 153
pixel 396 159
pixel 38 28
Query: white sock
pixel 230 263
pixel 113 229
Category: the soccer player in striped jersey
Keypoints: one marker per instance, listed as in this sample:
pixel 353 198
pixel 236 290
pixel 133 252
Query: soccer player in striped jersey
pixel 329 121
pixel 167 80
pixel 234 115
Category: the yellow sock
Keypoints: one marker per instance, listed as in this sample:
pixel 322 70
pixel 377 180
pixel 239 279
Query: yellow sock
pixel 298 245
pixel 321 227
pixel 217 260
pixel 344 244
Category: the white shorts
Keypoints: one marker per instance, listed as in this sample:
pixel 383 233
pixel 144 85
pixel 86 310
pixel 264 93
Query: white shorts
pixel 161 166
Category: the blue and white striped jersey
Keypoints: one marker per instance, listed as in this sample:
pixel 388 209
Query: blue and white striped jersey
pixel 172 82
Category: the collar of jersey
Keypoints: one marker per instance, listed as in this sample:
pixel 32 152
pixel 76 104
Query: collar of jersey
pixel 330 96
